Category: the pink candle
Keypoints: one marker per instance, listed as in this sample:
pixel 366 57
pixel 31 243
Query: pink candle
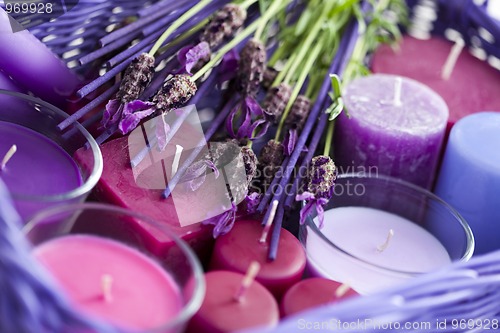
pixel 313 292
pixel 33 65
pixel 237 249
pixel 112 281
pixel 472 86
pixel 221 312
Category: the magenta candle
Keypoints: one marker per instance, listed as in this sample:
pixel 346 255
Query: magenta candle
pixel 222 313
pixel 396 128
pixel 112 281
pixel 313 292
pixel 472 86
pixel 237 249
pixel 39 167
pixel 33 65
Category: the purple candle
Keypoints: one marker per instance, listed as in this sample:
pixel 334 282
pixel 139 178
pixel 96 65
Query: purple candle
pixel 33 65
pixel 38 167
pixel 396 127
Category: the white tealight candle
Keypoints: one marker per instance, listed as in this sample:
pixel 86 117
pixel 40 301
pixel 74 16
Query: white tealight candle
pixel 376 249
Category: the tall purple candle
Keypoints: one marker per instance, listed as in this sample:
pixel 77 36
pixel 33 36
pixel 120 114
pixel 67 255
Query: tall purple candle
pixel 396 127
pixel 33 65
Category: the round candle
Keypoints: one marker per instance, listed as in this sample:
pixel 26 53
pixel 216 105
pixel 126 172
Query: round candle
pixel 238 248
pixel 469 178
pixel 370 260
pixel 33 65
pixel 112 281
pixel 38 168
pixel 313 292
pixel 472 86
pixel 221 313
pixel 396 127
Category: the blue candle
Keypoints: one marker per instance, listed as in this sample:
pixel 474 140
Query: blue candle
pixel 469 178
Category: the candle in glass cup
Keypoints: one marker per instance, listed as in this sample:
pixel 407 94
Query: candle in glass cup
pixel 395 126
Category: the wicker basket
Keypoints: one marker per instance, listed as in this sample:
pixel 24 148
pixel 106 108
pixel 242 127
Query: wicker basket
pixel 463 297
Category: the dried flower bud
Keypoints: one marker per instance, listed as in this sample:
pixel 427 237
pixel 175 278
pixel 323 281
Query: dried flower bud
pixel 276 101
pixel 271 157
pixel 251 68
pixel 136 78
pixel 250 161
pixel 321 177
pixel 175 92
pixel 298 113
pixel 224 24
pixel 269 76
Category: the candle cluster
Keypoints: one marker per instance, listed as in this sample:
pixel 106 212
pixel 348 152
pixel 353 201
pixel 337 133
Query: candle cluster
pixel 247 138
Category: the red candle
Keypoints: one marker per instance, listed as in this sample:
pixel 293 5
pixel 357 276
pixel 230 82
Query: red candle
pixel 237 249
pixel 472 86
pixel 313 292
pixel 222 312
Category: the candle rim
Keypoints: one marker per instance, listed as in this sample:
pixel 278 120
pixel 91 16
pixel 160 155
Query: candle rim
pixel 314 228
pixel 94 174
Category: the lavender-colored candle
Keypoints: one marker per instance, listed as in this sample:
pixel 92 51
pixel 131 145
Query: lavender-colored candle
pixel 396 127
pixel 33 65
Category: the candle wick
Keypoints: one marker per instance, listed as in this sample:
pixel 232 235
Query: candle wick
pixel 397 92
pixel 451 61
pixel 341 290
pixel 177 159
pixel 106 286
pixel 269 221
pixel 250 275
pixel 383 247
pixel 8 156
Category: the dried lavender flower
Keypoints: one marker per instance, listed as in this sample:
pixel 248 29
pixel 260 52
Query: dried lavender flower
pixel 298 113
pixel 270 159
pixel 176 91
pixel 136 78
pixel 250 161
pixel 276 101
pixel 251 68
pixel 269 76
pixel 224 24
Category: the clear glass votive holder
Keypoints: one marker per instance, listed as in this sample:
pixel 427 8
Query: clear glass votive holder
pixel 179 263
pixel 42 172
pixel 388 231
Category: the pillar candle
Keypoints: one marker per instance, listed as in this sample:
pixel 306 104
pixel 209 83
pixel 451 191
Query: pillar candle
pixel 33 65
pixel 359 252
pixel 39 168
pixel 112 281
pixel 313 292
pixel 237 249
pixel 396 126
pixel 472 86
pixel 469 178
pixel 7 83
pixel 221 313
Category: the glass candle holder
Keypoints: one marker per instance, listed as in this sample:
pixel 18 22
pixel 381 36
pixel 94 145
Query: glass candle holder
pixel 379 231
pixel 42 171
pixel 135 292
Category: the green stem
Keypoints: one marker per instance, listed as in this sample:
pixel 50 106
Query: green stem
pixel 177 23
pixel 298 86
pixel 247 3
pixel 281 74
pixel 266 17
pixel 329 138
pixel 185 35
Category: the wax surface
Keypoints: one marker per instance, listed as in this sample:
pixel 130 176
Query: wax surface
pixel 117 186
pixel 472 87
pixel 220 313
pixel 469 179
pixel 237 249
pixel 33 65
pixel 39 167
pixel 401 140
pixel 310 293
pixel 143 294
pixel 359 231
